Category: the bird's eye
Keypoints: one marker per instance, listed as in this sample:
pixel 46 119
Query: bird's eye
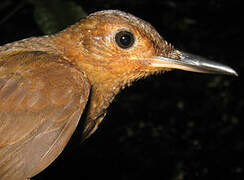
pixel 124 39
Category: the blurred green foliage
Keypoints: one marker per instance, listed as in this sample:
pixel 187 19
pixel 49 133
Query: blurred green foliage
pixel 53 16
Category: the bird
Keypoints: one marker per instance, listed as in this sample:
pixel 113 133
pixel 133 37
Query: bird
pixel 50 83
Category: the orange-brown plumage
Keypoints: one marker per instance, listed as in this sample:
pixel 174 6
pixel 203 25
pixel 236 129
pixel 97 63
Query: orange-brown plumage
pixel 46 82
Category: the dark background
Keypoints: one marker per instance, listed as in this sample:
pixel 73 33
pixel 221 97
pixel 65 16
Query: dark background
pixel 176 126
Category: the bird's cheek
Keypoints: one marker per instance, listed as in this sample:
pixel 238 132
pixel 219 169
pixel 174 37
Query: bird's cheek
pixel 120 67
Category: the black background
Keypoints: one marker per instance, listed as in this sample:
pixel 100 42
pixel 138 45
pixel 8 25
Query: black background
pixel 177 125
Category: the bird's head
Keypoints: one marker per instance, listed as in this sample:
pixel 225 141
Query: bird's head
pixel 116 47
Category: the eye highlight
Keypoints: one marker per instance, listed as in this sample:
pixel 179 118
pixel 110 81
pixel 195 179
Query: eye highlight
pixel 124 39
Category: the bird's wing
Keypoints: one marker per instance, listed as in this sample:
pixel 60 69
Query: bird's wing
pixel 42 97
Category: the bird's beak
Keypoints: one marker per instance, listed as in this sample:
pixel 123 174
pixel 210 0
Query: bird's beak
pixel 189 62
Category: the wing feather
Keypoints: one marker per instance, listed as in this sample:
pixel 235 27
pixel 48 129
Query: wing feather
pixel 42 97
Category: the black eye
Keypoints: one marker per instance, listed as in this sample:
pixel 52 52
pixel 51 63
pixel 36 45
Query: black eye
pixel 124 39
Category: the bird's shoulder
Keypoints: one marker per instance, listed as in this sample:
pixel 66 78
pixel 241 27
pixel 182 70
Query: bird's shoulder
pixel 37 88
pixel 42 97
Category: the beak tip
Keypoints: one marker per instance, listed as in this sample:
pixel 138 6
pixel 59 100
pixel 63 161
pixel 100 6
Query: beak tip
pixel 231 71
pixel 235 74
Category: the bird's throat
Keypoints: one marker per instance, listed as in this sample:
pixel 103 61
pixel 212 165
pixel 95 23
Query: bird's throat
pixel 101 96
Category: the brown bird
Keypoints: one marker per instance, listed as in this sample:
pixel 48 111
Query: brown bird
pixel 46 82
